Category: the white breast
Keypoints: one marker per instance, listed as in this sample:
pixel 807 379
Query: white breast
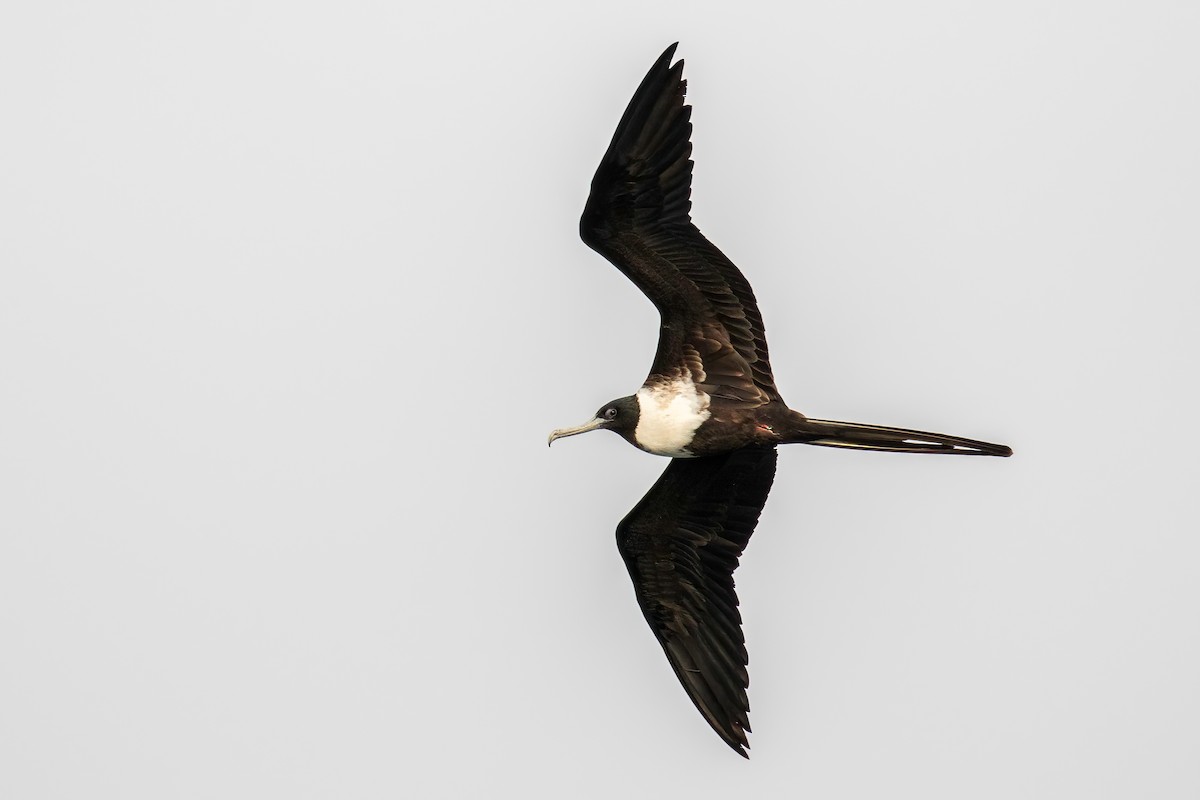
pixel 668 416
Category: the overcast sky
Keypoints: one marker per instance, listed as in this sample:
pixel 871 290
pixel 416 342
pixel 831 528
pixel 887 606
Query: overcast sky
pixel 292 293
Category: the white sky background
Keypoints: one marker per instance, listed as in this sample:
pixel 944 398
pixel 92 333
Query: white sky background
pixel 291 294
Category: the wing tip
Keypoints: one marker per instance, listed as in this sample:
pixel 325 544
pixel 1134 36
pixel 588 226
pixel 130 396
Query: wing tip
pixel 653 133
pixel 736 739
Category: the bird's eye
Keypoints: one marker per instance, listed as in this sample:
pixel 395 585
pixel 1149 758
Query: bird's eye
pixel 610 413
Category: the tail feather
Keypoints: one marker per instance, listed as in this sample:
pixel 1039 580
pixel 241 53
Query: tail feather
pixel 828 433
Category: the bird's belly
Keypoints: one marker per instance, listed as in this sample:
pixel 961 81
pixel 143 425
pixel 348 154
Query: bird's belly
pixel 669 415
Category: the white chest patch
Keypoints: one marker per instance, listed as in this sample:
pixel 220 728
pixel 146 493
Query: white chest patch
pixel 668 416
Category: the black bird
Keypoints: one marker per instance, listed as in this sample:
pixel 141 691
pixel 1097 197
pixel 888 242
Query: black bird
pixel 709 403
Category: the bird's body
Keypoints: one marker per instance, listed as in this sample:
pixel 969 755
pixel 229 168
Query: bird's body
pixel 709 403
pixel 679 420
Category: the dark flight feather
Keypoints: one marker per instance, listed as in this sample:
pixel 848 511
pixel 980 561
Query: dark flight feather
pixel 638 216
pixel 681 544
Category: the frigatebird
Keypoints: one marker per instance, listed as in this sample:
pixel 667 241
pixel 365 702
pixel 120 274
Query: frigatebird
pixel 709 403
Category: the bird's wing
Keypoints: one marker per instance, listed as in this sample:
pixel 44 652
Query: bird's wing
pixel 638 217
pixel 681 544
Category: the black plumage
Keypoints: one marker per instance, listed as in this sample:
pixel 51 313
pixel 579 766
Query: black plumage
pixel 638 217
pixel 709 402
pixel 681 544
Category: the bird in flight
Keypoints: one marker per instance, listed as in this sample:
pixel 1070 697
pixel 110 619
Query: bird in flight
pixel 709 404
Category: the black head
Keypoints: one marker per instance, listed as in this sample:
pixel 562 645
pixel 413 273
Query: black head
pixel 619 416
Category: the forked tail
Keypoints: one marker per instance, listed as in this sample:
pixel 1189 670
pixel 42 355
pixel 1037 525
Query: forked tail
pixel 828 433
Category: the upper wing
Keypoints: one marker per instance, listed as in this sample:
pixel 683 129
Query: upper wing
pixel 681 544
pixel 638 217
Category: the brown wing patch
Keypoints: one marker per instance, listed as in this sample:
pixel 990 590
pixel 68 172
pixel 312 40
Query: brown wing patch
pixel 726 375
